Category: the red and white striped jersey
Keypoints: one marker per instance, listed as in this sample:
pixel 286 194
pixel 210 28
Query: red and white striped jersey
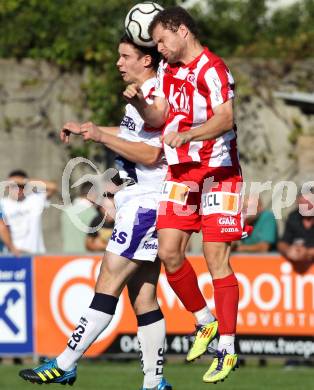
pixel 193 91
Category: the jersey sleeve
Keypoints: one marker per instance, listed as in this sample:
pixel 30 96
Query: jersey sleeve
pixel 220 84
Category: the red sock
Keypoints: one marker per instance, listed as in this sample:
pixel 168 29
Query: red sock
pixel 226 293
pixel 184 283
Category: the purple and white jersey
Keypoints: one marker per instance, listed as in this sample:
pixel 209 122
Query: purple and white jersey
pixel 132 128
pixel 134 235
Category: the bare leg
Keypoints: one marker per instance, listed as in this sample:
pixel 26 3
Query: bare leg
pixel 151 324
pixel 114 273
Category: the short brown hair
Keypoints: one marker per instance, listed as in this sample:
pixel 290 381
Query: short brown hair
pixel 171 18
pixel 144 50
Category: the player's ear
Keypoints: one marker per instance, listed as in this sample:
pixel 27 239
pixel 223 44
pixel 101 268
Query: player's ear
pixel 148 61
pixel 183 31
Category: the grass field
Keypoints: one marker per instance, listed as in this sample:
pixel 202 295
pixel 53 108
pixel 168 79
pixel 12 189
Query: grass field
pixel 126 376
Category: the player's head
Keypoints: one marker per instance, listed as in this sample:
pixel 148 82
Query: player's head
pixel 171 30
pixel 136 63
pixel 18 178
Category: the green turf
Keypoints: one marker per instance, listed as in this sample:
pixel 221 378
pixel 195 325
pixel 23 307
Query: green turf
pixel 126 376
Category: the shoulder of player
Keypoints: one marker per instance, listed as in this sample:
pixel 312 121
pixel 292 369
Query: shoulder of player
pixel 212 69
pixel 213 59
pixel 148 87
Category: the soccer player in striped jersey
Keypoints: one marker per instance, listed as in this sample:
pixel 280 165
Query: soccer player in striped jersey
pixel 194 103
pixel 130 257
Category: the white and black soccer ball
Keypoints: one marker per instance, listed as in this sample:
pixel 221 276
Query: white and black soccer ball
pixel 138 20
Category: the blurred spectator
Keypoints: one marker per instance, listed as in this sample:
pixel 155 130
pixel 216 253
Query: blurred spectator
pixel 83 209
pixel 97 241
pixel 297 242
pixel 23 208
pixel 5 238
pixel 264 236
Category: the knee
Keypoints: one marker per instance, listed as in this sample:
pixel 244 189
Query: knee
pixel 144 304
pixel 171 257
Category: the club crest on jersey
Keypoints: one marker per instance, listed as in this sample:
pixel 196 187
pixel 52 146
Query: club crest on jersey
pixel 175 192
pixel 179 100
pixel 220 202
pixel 128 122
pixel 191 78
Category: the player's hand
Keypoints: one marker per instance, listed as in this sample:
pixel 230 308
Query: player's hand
pixel 67 129
pixel 133 93
pixel 175 140
pixel 90 131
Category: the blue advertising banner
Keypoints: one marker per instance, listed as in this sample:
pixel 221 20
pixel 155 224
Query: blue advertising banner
pixel 16 311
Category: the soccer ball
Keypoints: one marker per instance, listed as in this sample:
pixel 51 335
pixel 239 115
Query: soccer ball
pixel 138 20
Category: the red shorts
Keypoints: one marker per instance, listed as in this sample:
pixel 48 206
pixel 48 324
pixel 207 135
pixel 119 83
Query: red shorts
pixel 197 197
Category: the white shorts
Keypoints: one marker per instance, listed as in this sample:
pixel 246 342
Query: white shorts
pixel 134 235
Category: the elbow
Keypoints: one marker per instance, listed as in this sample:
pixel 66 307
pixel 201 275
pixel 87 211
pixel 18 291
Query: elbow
pixel 229 122
pixel 149 161
pixel 152 158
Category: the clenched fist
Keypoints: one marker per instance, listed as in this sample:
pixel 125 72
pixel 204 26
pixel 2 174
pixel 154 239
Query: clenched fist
pixel 89 131
pixel 133 93
pixel 175 140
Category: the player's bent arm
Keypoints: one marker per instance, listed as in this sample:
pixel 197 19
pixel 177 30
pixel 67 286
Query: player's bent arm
pixel 221 122
pixel 156 114
pixel 137 152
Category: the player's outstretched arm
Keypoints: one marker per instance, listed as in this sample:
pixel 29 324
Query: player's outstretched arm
pixel 75 128
pixel 138 152
pixel 155 114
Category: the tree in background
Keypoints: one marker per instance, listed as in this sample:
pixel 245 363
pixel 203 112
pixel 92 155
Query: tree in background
pixel 84 34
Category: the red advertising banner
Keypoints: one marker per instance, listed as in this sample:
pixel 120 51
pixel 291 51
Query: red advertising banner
pixel 274 300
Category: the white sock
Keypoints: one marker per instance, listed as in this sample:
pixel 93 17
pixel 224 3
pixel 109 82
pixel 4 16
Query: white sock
pixel 151 340
pixel 226 342
pixel 204 316
pixel 91 324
